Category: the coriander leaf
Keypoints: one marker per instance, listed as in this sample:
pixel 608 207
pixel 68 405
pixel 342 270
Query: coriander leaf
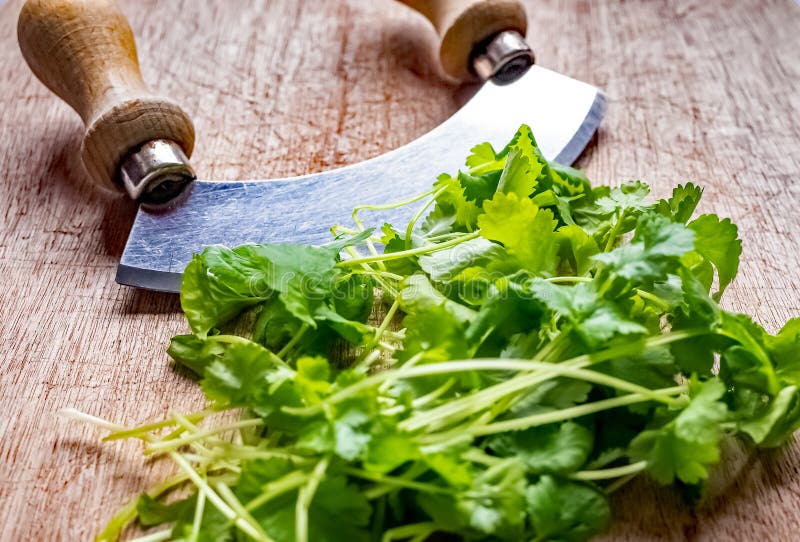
pixel 208 299
pixel 577 249
pixel 334 500
pixel 630 196
pixel 247 376
pixel 747 364
pixel 680 206
pixel 521 170
pixel 653 367
pixel 388 450
pixel 193 352
pixel 593 318
pixel 153 512
pixel 717 241
pixel 214 526
pixel 494 508
pixel 784 349
pixel 483 159
pixel 564 510
pixel 527 232
pixel 222 282
pixel 452 197
pixel 653 254
pixel 436 333
pixel 547 449
pixel 684 447
pixel 479 188
pixel 553 394
pixel 775 424
pixel 447 265
pixel 352 331
pixel 417 293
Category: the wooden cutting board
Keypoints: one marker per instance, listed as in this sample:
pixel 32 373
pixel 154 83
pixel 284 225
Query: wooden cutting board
pixel 699 90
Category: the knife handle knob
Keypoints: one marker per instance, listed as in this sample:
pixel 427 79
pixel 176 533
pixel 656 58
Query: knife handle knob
pixel 466 26
pixel 84 51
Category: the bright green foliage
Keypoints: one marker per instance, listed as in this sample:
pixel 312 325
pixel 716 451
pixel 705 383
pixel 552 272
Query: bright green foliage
pixel 526 232
pixel 564 510
pixel 544 341
pixel 685 446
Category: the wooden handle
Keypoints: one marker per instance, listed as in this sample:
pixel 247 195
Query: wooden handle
pixel 84 51
pixel 464 24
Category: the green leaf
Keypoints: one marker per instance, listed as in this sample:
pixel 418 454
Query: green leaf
pixel 685 446
pixel 194 353
pixel 454 199
pixel 527 232
pixel 547 449
pixel 630 196
pixel 774 425
pixel 747 364
pixel 681 205
pixel 448 265
pixel 417 294
pixel 209 300
pixel 564 510
pixel 483 159
pixel 479 188
pixel 577 249
pixel 520 172
pixel 247 376
pixel 338 511
pixel 593 318
pixel 222 282
pixel 784 349
pixel 717 241
pixel 153 512
pixel 653 254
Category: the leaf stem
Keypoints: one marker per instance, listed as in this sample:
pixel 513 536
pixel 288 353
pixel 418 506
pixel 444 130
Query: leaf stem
pixel 427 249
pixel 304 497
pixel 605 474
pixel 525 422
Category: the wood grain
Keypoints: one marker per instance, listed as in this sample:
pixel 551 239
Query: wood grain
pixel 698 90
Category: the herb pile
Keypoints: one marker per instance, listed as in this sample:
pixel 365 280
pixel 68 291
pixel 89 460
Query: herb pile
pixel 544 341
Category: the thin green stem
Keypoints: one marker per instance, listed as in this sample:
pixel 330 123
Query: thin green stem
pixel 271 490
pixel 605 474
pixel 163 445
pixel 418 215
pixel 293 341
pixel 659 302
pixel 569 279
pixel 198 515
pixel 612 235
pixel 215 499
pixel 397 481
pixel 427 249
pixel 226 493
pixel 408 531
pixel 304 498
pixel 499 364
pixel 393 205
pixel 525 422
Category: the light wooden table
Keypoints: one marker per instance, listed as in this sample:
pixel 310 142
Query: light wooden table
pixel 699 90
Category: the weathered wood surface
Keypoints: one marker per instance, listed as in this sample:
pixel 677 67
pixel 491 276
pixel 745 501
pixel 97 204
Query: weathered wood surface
pixel 699 90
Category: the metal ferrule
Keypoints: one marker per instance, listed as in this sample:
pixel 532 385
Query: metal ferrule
pixel 156 173
pixel 504 58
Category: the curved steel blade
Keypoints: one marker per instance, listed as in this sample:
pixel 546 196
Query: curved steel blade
pixel 562 112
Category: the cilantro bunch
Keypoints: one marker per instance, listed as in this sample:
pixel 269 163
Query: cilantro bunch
pixel 541 342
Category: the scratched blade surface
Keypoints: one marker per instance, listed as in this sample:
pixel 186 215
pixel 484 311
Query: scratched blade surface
pixel 562 112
